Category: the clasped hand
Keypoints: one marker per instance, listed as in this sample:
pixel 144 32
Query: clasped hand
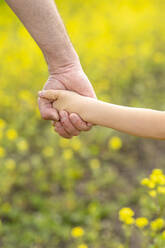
pixel 72 79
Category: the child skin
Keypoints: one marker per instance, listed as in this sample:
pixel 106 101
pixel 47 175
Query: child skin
pixel 140 122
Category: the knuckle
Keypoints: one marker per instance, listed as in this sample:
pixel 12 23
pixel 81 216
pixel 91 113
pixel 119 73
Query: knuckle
pixel 76 134
pixel 87 129
pixel 72 131
pixel 45 116
pixel 64 135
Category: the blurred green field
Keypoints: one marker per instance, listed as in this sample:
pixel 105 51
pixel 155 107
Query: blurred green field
pixel 48 185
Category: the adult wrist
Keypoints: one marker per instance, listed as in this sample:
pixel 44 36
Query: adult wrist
pixel 59 61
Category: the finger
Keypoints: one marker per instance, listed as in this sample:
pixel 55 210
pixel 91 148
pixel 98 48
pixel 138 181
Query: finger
pixel 46 110
pixel 49 94
pixel 67 124
pixel 89 124
pixel 78 122
pixel 61 131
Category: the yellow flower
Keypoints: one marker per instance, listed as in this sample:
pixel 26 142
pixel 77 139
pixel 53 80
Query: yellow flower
pixel 22 145
pixel 161 179
pixel 130 50
pixel 67 154
pixel 157 172
pixel 115 143
pixel 154 178
pixel 48 151
pixel 77 232
pixel 94 163
pixel 145 181
pixel 76 144
pixel 2 152
pixel 152 193
pixel 120 246
pixel 64 142
pixel 82 246
pixel 129 221
pixel 26 96
pixel 157 177
pixel 126 216
pixel 157 224
pixel 151 185
pixel 10 164
pixel 2 123
pixel 141 222
pixel 161 190
pixel 11 134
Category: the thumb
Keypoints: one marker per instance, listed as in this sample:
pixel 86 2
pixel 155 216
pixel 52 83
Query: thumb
pixel 49 94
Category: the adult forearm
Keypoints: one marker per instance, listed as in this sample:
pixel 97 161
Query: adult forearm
pixel 42 20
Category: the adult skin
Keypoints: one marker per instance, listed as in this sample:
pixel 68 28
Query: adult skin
pixel 42 20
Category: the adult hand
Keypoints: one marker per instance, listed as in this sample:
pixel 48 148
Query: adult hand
pixel 69 78
pixel 43 21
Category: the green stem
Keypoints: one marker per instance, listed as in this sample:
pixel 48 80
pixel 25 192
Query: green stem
pixel 128 231
pixel 161 207
pixel 146 239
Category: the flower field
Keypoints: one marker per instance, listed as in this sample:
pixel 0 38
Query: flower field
pixel 84 192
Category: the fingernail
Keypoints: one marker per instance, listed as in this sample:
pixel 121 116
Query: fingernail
pixel 72 117
pixel 63 114
pixel 89 124
pixel 63 119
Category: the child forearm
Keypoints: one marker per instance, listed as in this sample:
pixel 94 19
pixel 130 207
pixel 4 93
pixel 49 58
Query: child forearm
pixel 136 121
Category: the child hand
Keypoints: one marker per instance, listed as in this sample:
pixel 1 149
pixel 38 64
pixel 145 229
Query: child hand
pixel 64 100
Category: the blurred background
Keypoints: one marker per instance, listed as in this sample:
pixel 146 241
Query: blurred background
pixel 67 193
